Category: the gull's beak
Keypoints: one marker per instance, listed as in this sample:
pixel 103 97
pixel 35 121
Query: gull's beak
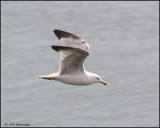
pixel 102 82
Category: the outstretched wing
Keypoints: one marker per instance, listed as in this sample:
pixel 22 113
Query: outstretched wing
pixel 71 40
pixel 72 61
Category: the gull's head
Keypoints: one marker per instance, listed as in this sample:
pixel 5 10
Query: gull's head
pixel 98 79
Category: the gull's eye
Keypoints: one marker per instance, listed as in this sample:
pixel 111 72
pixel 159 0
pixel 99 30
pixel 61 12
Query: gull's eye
pixel 97 78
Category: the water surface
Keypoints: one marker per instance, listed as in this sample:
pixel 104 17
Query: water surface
pixel 123 37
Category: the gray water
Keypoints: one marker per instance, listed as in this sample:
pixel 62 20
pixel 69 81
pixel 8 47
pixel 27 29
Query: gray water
pixel 123 37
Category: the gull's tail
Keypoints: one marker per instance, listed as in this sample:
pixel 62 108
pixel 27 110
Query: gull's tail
pixel 46 77
pixel 49 77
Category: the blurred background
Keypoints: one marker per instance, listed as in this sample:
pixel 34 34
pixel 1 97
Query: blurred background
pixel 124 41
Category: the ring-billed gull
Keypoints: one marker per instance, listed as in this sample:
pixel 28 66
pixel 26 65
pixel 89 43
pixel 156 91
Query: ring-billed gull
pixel 73 53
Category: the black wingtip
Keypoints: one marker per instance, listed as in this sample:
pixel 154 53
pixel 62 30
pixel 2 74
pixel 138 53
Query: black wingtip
pixel 58 33
pixel 63 34
pixel 58 30
pixel 55 30
pixel 55 48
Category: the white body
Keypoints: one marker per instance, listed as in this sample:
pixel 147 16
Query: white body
pixel 83 79
pixel 79 79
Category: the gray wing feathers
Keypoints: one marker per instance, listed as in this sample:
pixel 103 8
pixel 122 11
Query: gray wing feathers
pixel 71 40
pixel 72 61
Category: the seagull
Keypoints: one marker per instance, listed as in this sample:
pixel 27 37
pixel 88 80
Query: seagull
pixel 74 51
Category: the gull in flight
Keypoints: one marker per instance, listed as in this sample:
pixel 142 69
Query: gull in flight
pixel 73 53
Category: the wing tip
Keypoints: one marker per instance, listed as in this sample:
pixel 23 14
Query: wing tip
pixel 55 48
pixel 57 33
pixel 55 30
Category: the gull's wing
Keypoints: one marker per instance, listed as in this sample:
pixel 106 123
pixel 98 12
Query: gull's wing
pixel 71 40
pixel 72 60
